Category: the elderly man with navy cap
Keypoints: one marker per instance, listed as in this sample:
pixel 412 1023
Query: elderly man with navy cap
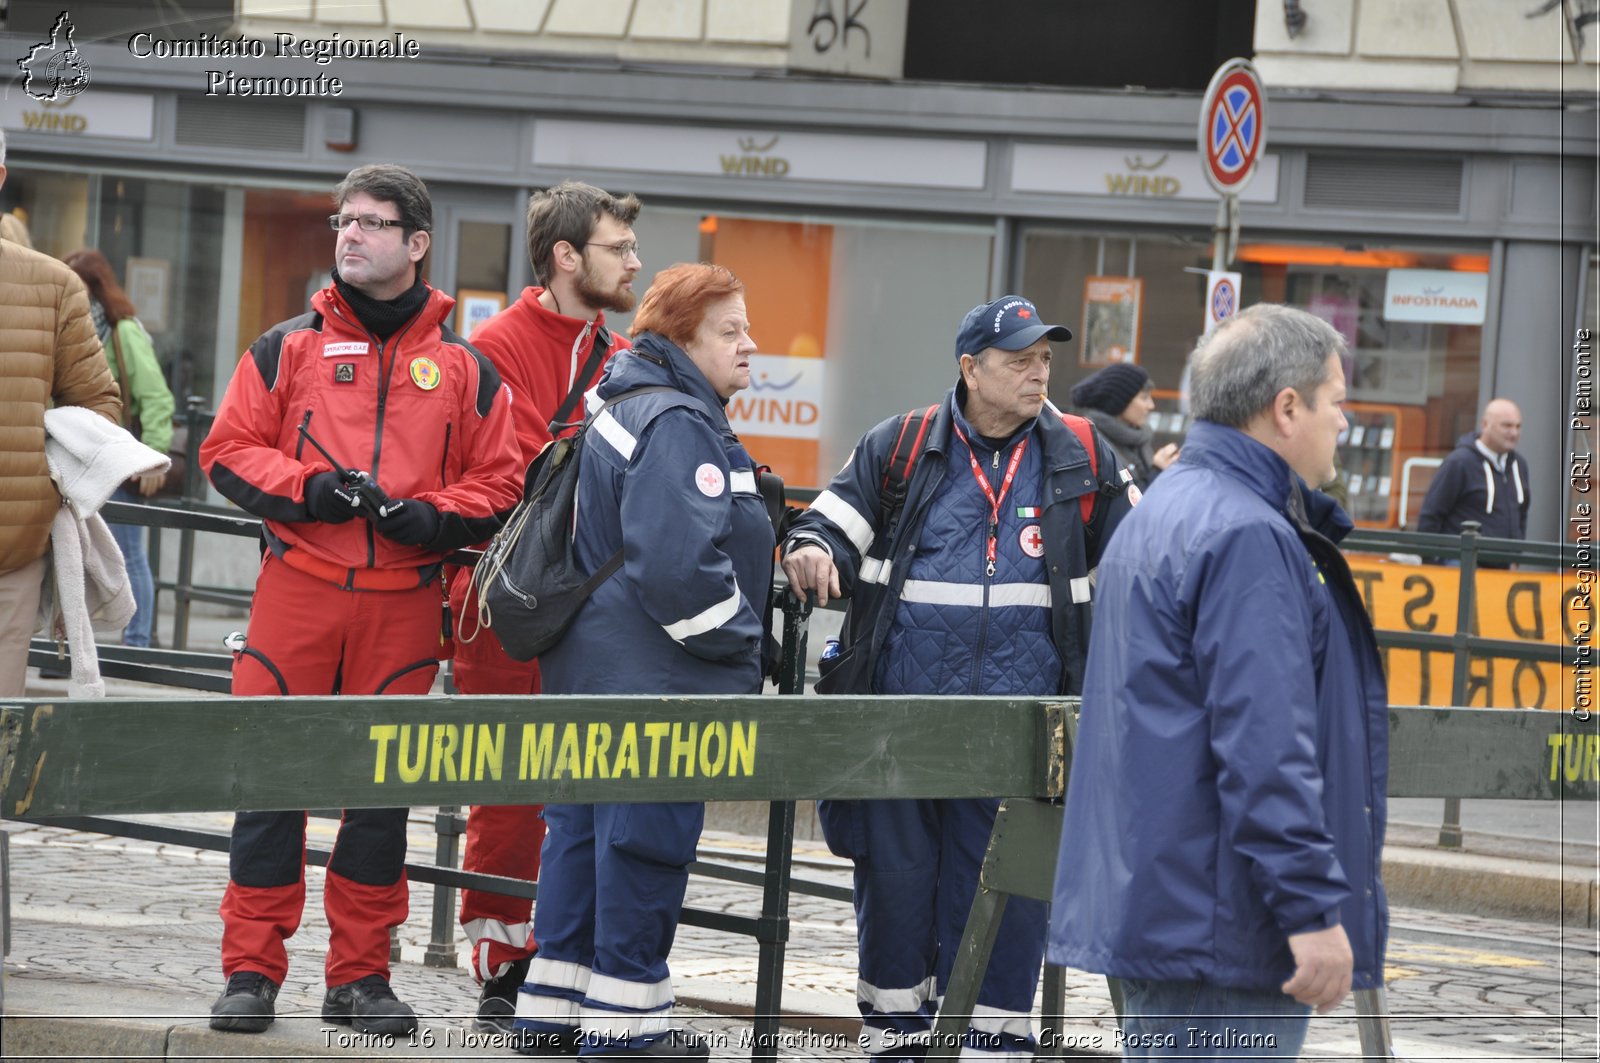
pixel 963 534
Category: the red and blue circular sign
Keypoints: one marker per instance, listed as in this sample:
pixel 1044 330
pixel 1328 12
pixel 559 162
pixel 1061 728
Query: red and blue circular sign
pixel 1233 126
pixel 1224 300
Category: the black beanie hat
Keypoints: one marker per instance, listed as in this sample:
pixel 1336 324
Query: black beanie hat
pixel 1111 389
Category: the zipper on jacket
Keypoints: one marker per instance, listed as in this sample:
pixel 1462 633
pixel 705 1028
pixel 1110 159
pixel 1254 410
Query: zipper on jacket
pixel 383 402
pixel 444 461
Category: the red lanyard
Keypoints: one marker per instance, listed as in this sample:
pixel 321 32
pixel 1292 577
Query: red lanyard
pixel 988 491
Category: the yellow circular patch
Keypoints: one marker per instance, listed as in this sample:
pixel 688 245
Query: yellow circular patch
pixel 425 373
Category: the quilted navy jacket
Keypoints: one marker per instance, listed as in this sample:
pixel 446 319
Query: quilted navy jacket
pixel 924 610
pixel 1228 783
pixel 665 479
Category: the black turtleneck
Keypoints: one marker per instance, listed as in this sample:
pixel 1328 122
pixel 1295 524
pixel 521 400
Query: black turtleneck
pixel 384 317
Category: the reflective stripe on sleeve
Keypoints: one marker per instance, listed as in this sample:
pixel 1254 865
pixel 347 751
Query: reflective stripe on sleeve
pixel 611 430
pixel 852 523
pixel 876 570
pixel 706 620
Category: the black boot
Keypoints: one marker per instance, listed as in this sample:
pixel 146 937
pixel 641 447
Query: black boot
pixel 497 1004
pixel 370 1006
pixel 245 1006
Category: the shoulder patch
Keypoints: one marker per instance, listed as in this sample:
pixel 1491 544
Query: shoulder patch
pixel 267 350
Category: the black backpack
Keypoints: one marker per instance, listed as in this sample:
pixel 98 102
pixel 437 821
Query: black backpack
pixel 528 585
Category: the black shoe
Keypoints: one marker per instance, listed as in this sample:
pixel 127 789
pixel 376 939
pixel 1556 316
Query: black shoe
pixel 497 1004
pixel 370 1006
pixel 544 1042
pixel 245 1006
pixel 677 1044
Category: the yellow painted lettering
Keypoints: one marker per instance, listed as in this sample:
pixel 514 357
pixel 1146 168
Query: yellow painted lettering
pixel 742 749
pixel 595 746
pixel 411 770
pixel 491 751
pixel 712 760
pixel 382 735
pixel 568 761
pixel 446 736
pixel 465 771
pixel 1555 756
pixel 656 732
pixel 1573 761
pixel 1591 758
pixel 628 752
pixel 538 745
pixel 682 749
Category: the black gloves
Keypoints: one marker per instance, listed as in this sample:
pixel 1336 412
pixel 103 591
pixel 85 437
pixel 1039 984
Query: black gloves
pixel 410 522
pixel 327 500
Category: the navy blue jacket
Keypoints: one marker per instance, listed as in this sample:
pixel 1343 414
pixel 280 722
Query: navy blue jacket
pixel 1227 786
pixel 1469 487
pixel 923 610
pixel 665 479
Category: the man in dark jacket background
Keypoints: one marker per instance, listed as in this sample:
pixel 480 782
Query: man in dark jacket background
pixel 980 587
pixel 1226 808
pixel 1483 479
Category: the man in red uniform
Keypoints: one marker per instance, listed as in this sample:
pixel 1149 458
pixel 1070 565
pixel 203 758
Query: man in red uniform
pixel 550 347
pixel 347 601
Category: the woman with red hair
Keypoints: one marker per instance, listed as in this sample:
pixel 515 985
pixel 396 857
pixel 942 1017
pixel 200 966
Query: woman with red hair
pixel 667 489
pixel 147 406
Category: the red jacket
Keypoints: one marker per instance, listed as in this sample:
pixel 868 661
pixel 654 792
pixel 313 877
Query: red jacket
pixel 424 413
pixel 539 354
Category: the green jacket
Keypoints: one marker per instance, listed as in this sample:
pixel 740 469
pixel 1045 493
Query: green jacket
pixel 145 394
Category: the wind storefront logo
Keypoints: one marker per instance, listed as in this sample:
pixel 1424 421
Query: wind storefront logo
pixel 55 70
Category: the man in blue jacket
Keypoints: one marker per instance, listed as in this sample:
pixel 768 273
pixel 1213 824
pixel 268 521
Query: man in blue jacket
pixel 1226 807
pixel 1483 479
pixel 978 585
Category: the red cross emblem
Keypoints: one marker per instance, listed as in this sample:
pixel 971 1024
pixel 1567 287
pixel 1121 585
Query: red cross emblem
pixel 1031 541
pixel 1024 314
pixel 708 478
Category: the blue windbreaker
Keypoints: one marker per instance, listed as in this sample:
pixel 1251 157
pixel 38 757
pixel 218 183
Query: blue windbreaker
pixel 1227 787
pixel 665 479
pixel 924 611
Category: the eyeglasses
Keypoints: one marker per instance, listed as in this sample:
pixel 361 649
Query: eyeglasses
pixel 623 250
pixel 369 222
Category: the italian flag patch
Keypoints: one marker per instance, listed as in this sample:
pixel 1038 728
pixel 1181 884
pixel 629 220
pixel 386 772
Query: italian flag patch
pixel 1025 512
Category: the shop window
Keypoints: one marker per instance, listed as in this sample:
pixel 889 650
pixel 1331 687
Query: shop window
pixel 854 322
pixel 1412 318
pixel 163 239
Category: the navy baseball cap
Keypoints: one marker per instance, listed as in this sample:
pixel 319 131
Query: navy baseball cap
pixel 1009 323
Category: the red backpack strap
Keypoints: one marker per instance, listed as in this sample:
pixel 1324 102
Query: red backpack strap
pixel 897 474
pixel 1085 432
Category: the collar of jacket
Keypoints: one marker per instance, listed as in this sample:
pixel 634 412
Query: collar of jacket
pixel 1232 453
pixel 559 327
pixel 328 302
pixel 655 360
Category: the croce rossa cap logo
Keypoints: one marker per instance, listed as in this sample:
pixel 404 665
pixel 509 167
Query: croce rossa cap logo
pixel 55 70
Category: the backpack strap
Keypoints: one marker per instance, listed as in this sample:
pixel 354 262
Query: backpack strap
pixel 1085 432
pixel 897 474
pixel 597 354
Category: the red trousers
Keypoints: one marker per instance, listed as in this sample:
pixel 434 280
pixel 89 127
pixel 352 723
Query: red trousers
pixel 501 840
pixel 307 636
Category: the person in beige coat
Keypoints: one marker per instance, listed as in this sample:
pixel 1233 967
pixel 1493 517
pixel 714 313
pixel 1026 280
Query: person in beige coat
pixel 49 355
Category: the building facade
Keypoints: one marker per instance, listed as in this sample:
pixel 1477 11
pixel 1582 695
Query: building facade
pixel 1447 227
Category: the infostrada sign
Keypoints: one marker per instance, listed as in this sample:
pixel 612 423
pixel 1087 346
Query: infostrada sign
pixel 1438 295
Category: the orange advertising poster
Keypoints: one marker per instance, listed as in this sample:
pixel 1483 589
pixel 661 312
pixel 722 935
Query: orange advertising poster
pixel 785 268
pixel 1547 607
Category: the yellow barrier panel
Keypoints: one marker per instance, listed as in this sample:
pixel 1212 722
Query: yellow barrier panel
pixel 1545 607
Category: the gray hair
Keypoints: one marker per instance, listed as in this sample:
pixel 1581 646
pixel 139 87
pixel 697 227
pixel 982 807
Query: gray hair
pixel 2 147
pixel 1244 363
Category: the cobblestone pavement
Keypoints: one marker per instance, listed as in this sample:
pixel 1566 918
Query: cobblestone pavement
pixel 86 907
